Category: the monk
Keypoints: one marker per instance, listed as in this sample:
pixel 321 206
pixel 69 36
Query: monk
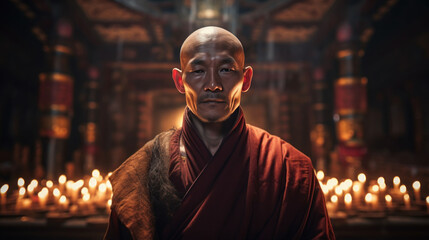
pixel 216 177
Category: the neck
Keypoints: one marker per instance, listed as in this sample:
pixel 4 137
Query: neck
pixel 212 134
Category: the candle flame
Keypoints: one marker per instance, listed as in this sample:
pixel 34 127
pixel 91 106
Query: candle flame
pixel 95 173
pixel 356 187
pixel 49 184
pixel 348 198
pixel 368 197
pixel 84 190
pixel 416 185
pixel 102 188
pixel 21 191
pixel 320 175
pixel 21 182
pixel 427 199
pixel 4 188
pixel 396 180
pixel 406 197
pixel 86 197
pixel 381 181
pixel 34 183
pixel 62 179
pixel 362 177
pixel 56 192
pixel 334 198
pixel 375 188
pixel 92 182
pixel 338 190
pixel 403 189
pixel 63 199
pixel 388 198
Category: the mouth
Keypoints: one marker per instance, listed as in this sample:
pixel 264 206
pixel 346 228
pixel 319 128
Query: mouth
pixel 213 100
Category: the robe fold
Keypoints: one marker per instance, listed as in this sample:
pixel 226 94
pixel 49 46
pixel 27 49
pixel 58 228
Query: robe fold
pixel 256 186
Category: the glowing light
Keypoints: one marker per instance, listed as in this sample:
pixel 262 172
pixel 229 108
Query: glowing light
pixel 86 197
pixel 361 177
pixel 348 183
pixel 382 186
pixel 63 199
pixel 388 198
pixel 427 199
pixel 396 180
pixel 21 191
pixel 416 185
pixel 348 198
pixel 49 184
pixel 338 190
pixel 34 183
pixel 92 182
pixel 375 188
pixel 108 185
pixel 334 198
pixel 4 188
pixel 406 197
pixel 95 173
pixel 84 191
pixel 56 192
pixel 368 197
pixel 381 181
pixel 356 187
pixel 403 189
pixel 109 203
pixel 21 182
pixel 62 179
pixel 102 188
pixel 320 175
pixel 325 189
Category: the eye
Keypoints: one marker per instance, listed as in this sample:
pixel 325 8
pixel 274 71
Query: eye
pixel 198 71
pixel 226 70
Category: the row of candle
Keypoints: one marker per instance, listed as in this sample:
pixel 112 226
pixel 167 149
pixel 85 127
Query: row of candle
pixel 65 195
pixel 352 194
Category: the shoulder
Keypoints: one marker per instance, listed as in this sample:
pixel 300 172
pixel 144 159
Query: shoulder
pixel 139 161
pixel 265 139
pixel 277 153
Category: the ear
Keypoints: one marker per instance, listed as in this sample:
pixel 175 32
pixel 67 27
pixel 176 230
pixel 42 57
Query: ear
pixel 247 78
pixel 177 77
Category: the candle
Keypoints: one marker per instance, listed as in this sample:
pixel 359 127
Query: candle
pixel 362 178
pixel 62 180
pixel 338 190
pixel 403 189
pixel 334 200
pixel 396 182
pixel 3 191
pixel 43 197
pixel 21 194
pixel 21 182
pixel 388 201
pixel 49 184
pixel 92 184
pixel 348 183
pixel 320 175
pixel 357 191
pixel 416 187
pixel 368 199
pixel 381 181
pixel 64 203
pixel 348 201
pixel 407 201
pixel 57 195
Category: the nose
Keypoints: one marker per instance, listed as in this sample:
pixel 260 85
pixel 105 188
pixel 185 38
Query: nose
pixel 213 82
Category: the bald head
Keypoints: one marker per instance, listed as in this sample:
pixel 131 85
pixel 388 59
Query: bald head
pixel 208 38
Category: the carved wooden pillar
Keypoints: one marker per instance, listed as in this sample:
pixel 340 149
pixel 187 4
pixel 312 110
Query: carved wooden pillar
pixel 321 138
pixel 55 102
pixel 91 125
pixel 350 106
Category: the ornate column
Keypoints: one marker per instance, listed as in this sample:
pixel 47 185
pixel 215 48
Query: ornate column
pixel 321 138
pixel 350 103
pixel 55 102
pixel 91 125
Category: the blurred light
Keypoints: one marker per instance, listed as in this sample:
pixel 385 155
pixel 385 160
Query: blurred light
pixel 361 177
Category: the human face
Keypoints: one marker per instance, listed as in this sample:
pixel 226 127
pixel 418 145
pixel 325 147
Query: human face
pixel 212 80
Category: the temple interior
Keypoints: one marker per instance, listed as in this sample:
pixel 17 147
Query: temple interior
pixel 86 83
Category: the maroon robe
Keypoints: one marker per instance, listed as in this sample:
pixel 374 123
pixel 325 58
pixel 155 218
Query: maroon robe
pixel 256 186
